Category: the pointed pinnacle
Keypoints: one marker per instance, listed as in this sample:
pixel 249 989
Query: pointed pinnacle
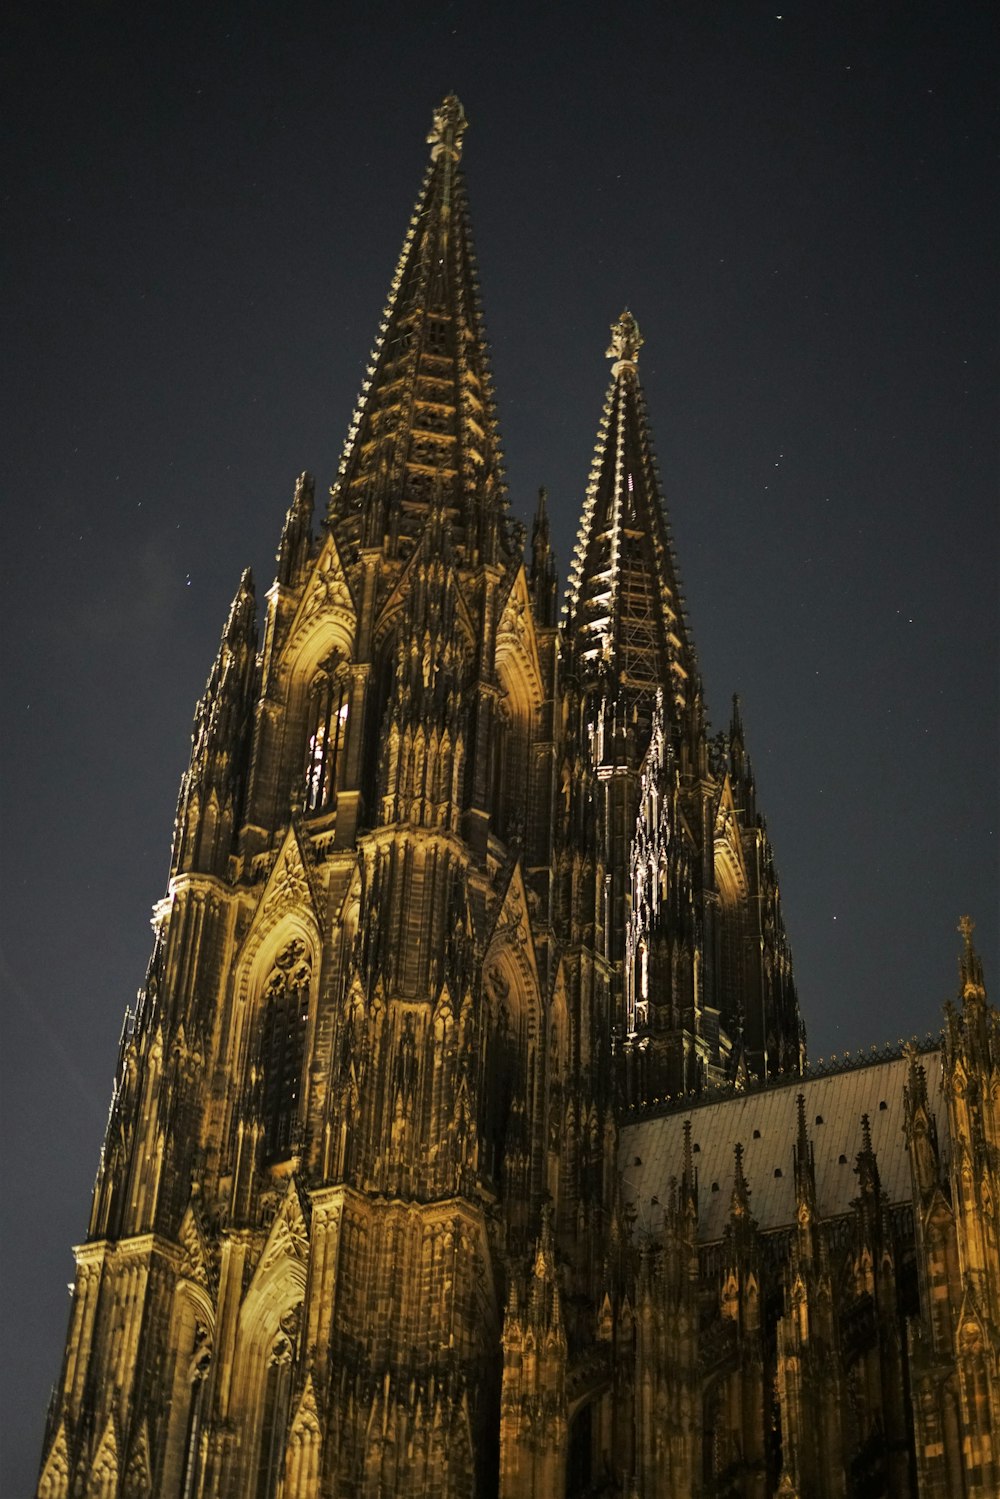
pixel 970 967
pixel 243 607
pixel 916 1077
pixel 689 1180
pixel 740 1207
pixel 305 489
pixel 687 1171
pixel 450 124
pixel 544 1254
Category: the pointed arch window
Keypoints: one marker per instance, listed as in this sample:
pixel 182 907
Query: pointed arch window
pixel 277 1403
pixel 201 1361
pixel 378 768
pixel 509 769
pixel 286 1014
pixel 326 729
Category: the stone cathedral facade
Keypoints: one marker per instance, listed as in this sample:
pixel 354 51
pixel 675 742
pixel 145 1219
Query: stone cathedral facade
pixel 463 1141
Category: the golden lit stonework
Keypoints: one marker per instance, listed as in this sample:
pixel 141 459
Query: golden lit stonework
pixel 626 341
pixel 462 1139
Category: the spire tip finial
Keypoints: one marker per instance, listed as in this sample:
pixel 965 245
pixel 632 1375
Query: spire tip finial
pixel 969 964
pixel 450 124
pixel 626 341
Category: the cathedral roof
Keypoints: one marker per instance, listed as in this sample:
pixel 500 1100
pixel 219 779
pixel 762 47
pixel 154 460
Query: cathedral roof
pixel 765 1123
pixel 425 422
pixel 623 610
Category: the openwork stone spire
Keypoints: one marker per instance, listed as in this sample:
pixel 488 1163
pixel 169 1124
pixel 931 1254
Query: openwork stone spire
pixel 624 611
pixel 426 420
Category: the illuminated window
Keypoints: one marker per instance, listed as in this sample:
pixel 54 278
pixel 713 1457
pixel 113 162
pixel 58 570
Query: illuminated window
pixel 286 1013
pixel 326 730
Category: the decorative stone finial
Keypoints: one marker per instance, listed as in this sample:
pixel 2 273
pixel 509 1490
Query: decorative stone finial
pixel 448 128
pixel 970 965
pixel 626 341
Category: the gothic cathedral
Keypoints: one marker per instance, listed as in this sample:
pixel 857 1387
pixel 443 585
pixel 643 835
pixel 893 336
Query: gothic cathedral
pixel 463 1140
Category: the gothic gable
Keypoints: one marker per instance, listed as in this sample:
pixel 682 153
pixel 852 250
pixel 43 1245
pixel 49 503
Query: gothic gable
pixel 516 639
pixel 729 856
pixel 54 1480
pixel 196 1264
pixel 509 923
pixel 287 1243
pixel 429 552
pixel 103 1482
pixel 138 1473
pixel 327 600
pixel 290 891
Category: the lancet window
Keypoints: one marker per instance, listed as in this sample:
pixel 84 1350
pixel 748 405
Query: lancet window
pixel 509 771
pixel 286 1014
pixel 201 1361
pixel 508 1091
pixel 277 1398
pixel 326 728
pixel 376 768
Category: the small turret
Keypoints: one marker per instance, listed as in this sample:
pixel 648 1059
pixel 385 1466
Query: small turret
pixel 533 1410
pixel 805 1171
pixel 741 769
pixel 296 534
pixel 970 968
pixel 212 788
pixel 868 1177
pixel 543 579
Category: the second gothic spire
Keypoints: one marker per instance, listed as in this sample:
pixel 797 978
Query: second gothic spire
pixel 624 615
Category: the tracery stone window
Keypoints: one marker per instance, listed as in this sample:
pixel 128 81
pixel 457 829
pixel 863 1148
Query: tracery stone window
pixel 377 767
pixel 277 1399
pixel 509 771
pixel 201 1361
pixel 286 1013
pixel 326 728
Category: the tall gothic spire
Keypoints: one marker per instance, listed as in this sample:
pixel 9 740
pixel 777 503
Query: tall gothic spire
pixel 624 612
pixel 425 420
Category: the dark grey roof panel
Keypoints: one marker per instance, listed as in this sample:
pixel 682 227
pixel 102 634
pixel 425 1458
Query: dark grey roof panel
pixel 764 1124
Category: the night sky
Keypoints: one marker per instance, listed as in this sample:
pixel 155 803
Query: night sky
pixel 203 206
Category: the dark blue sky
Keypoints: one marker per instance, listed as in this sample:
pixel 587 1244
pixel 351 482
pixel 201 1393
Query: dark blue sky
pixel 203 208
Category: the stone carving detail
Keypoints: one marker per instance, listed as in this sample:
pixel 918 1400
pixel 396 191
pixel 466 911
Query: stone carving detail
pixel 288 886
pixel 626 341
